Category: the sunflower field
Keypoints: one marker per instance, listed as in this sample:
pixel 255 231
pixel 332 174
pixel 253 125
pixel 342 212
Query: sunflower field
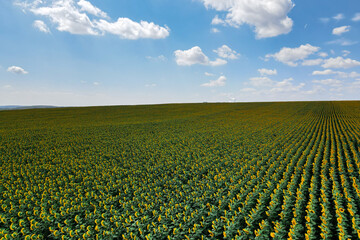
pixel 182 171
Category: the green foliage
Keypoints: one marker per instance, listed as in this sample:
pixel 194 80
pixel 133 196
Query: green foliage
pixel 182 171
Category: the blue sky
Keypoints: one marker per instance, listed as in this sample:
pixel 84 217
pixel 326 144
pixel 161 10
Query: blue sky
pixel 79 52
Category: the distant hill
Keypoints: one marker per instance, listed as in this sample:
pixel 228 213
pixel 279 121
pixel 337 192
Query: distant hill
pixel 18 107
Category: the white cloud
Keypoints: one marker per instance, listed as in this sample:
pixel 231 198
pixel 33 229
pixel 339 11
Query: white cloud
pixel 324 20
pixel 324 72
pixel 340 62
pixel 356 17
pixel 225 52
pixel 215 30
pixel 221 81
pixel 7 86
pixel 219 5
pixel 315 90
pixel 329 82
pixel 340 30
pixel 323 54
pixel 340 74
pixel 216 21
pixel 67 17
pixel 96 83
pixel 127 29
pixel 266 85
pixel 209 74
pixel 349 75
pixel 339 16
pixel 70 17
pixel 264 71
pixel 218 62
pixel 195 55
pixel 150 85
pixel 312 62
pixel 41 26
pixel 17 70
pixel 290 56
pixel 268 17
pixel 261 81
pixel 26 5
pixel 345 53
pixel 158 58
pixel 355 84
pixel 88 7
pixel 342 42
pixel 162 58
pixel 286 86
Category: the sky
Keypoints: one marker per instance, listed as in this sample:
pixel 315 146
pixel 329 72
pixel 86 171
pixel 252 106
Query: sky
pixel 117 52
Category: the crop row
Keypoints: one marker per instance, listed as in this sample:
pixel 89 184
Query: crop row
pixel 232 171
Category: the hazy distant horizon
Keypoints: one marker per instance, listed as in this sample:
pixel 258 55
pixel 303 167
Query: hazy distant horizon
pixel 21 107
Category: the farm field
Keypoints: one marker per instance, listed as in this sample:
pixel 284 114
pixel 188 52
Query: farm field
pixel 182 171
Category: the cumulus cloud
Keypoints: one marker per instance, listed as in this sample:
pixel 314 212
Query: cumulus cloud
pixel 286 86
pixel 217 62
pixel 339 16
pixel 67 17
pixel 127 29
pixel 323 54
pixel 209 74
pixel 17 70
pixel 356 17
pixel 215 30
pixel 261 81
pixel 72 17
pixel 221 81
pixel 340 62
pixel 216 21
pixel 195 55
pixel 312 62
pixel 268 17
pixel 225 52
pixel 270 86
pixel 41 26
pixel 89 8
pixel 324 72
pixel 338 73
pixel 264 71
pixel 219 5
pixel 340 30
pixel 348 75
pixel 329 82
pixel 191 56
pixel 291 56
